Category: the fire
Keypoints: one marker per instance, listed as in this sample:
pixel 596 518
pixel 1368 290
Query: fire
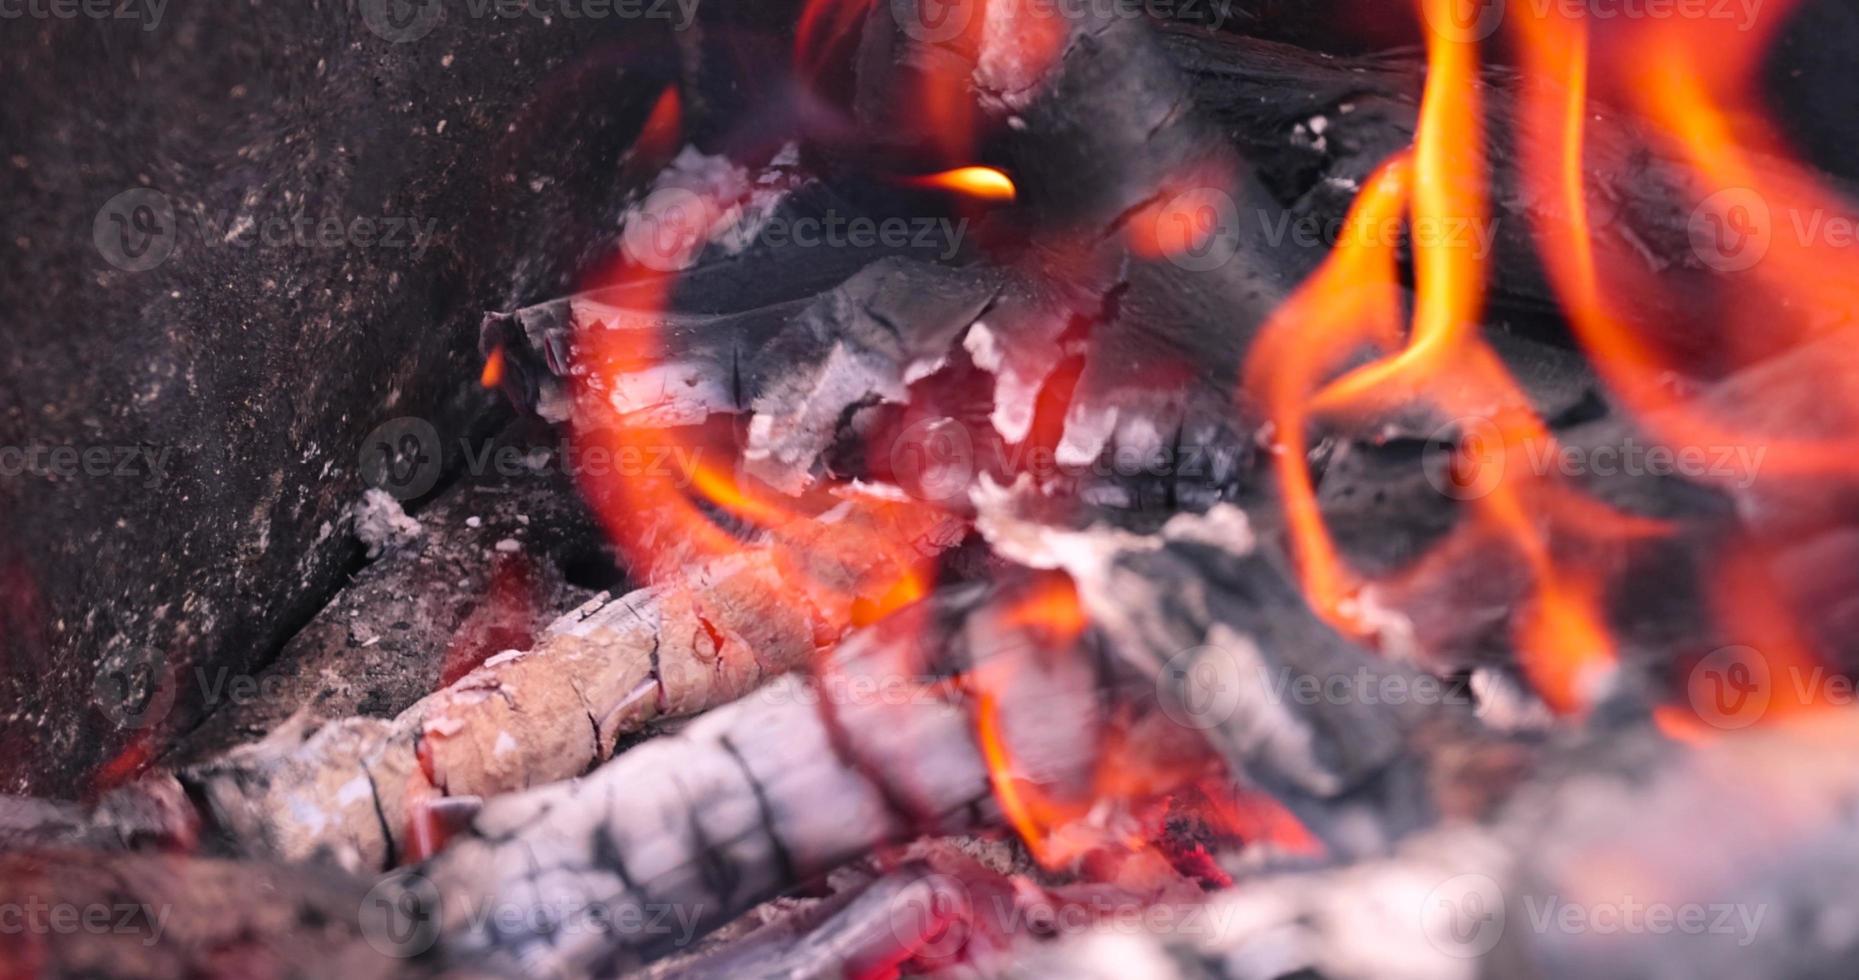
pixel 1697 84
pixel 492 375
pixel 981 183
pixel 1350 307
pixel 1691 84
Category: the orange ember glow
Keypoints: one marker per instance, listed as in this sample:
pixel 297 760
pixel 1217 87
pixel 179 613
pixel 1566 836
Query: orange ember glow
pixel 492 376
pixel 663 129
pixel 981 183
pixel 1027 819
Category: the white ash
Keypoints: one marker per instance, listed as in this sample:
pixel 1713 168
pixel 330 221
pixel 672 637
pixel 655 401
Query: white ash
pixel 382 524
pixel 739 207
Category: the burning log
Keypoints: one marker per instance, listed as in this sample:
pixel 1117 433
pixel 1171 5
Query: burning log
pixel 721 815
pixel 700 825
pixel 359 790
pixel 1389 501
pixel 1315 127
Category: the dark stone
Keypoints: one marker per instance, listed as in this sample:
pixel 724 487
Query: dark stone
pixel 253 369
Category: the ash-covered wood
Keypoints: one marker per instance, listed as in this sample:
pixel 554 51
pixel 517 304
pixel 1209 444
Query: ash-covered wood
pixel 150 813
pixel 682 833
pixel 1623 855
pixel 357 790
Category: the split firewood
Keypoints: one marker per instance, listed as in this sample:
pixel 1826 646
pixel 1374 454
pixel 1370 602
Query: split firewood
pixel 370 792
pixel 682 833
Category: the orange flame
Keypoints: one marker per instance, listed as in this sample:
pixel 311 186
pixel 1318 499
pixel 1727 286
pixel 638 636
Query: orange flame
pixel 981 183
pixel 1349 308
pixel 492 375
pixel 1695 81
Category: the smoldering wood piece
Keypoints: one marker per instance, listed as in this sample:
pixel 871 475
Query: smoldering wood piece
pixel 1563 879
pixel 863 344
pixel 360 791
pixel 1102 143
pixel 152 812
pixel 1314 127
pixel 83 913
pixel 1107 141
pixel 1239 658
pixel 691 343
pixel 1391 504
pixel 758 795
pixel 879 926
